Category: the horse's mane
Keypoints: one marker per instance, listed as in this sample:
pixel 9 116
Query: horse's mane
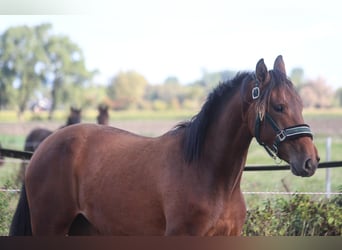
pixel 197 127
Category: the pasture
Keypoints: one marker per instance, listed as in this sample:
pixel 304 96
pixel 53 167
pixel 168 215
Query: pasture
pixel 323 123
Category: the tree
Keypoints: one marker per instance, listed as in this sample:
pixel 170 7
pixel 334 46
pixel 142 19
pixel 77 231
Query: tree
pixel 31 57
pixel 297 77
pixel 316 94
pixel 338 96
pixel 64 68
pixel 127 89
pixel 20 54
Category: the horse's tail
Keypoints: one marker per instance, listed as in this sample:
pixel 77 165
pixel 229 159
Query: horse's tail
pixel 21 222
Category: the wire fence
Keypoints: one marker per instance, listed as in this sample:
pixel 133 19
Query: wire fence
pixel 333 164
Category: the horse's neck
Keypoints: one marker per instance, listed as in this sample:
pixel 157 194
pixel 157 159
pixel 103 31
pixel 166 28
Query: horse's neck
pixel 229 142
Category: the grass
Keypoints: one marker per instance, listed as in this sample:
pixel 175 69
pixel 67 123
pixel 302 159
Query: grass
pixel 263 181
pixel 331 113
pixel 90 115
pixel 178 114
pixel 251 181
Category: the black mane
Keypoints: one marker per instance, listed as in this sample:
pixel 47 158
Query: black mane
pixel 196 129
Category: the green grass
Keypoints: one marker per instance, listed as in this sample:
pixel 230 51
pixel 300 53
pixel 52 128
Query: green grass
pixel 263 181
pixel 12 141
pixel 178 114
pixel 90 115
pixel 252 181
pixel 332 113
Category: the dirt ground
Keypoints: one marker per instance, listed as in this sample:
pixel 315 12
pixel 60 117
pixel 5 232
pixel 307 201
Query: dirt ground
pixel 332 127
pixel 149 128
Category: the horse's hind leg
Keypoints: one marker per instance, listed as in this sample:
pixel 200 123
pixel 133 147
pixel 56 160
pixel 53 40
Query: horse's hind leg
pixel 52 212
pixel 51 224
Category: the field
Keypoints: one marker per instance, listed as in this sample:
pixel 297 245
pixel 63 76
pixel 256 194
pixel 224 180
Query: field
pixel 324 124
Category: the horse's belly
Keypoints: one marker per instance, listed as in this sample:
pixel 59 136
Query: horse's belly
pixel 130 216
pixel 124 205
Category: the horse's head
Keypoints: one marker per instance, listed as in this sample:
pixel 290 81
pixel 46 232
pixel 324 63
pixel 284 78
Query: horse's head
pixel 103 116
pixel 75 116
pixel 275 119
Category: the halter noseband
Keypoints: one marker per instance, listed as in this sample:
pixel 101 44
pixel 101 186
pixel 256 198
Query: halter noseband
pixel 293 132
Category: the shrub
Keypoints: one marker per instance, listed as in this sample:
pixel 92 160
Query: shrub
pixel 5 213
pixel 297 216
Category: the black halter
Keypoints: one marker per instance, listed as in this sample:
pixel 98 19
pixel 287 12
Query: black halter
pixel 293 132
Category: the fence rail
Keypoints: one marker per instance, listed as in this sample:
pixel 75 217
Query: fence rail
pixel 330 164
pixel 26 155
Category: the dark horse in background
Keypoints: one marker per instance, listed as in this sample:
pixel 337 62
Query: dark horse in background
pixel 103 116
pixel 36 136
pixel 185 182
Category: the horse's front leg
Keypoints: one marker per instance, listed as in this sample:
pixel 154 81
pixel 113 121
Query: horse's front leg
pixel 190 220
pixel 236 213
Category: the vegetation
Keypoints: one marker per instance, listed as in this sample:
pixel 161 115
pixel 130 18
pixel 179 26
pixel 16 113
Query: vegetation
pixel 297 216
pixel 37 65
pixel 35 62
pixel 267 213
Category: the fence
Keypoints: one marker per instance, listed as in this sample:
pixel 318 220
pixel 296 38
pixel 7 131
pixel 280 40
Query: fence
pixel 327 165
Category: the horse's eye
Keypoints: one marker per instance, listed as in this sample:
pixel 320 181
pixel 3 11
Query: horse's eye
pixel 279 108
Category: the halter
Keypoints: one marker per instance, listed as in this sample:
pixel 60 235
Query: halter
pixel 293 132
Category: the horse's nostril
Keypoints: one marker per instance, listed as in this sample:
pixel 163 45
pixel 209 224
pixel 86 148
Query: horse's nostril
pixel 308 165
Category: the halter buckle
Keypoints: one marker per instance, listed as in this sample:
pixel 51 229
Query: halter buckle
pixel 255 92
pixel 281 135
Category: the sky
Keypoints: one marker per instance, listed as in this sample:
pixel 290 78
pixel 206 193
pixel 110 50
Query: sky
pixel 184 38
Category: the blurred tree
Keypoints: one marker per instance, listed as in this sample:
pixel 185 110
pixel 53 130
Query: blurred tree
pixel 297 77
pixel 127 89
pixel 64 67
pixel 338 96
pixel 31 57
pixel 317 94
pixel 20 54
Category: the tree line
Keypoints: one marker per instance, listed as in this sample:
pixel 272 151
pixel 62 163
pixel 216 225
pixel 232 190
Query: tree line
pixel 37 64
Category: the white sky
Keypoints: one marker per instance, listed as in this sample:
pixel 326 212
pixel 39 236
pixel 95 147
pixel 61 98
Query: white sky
pixel 181 38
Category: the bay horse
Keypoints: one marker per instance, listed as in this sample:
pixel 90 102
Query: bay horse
pixel 92 179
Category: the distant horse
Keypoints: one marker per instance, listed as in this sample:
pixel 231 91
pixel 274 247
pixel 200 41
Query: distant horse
pixel 103 116
pixel 36 136
pixel 91 179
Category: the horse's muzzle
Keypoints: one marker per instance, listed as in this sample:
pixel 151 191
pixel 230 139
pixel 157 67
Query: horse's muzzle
pixel 306 169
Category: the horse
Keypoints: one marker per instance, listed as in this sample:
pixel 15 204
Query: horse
pixel 103 116
pixel 89 179
pixel 37 135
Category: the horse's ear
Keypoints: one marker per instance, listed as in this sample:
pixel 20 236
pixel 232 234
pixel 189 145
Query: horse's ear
pixel 261 72
pixel 279 64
